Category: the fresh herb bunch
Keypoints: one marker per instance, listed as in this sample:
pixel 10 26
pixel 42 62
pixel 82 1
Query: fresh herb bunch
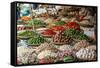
pixel 75 34
pixel 59 23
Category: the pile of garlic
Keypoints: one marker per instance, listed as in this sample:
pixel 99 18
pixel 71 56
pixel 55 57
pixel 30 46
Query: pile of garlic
pixel 86 54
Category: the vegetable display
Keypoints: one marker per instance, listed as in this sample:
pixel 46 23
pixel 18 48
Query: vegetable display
pixel 27 34
pixel 36 23
pixel 36 40
pixel 48 32
pixel 56 34
pixel 58 28
pixel 75 34
pixel 59 38
pixel 72 25
pixel 59 23
pixel 26 18
pixel 86 54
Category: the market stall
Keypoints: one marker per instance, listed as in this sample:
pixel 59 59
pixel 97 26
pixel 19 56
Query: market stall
pixel 53 34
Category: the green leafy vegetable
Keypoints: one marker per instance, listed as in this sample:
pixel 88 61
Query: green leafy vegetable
pixel 36 40
pixel 27 34
pixel 59 23
pixel 75 34
pixel 36 22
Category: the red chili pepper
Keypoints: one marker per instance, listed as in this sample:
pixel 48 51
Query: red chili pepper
pixel 72 25
pixel 58 28
pixel 49 32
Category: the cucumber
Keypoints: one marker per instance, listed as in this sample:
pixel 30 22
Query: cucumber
pixel 68 59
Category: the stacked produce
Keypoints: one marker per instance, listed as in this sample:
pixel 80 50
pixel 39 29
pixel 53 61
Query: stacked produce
pixel 56 38
pixel 75 34
pixel 26 18
pixel 86 54
pixel 48 33
pixel 27 33
pixel 36 23
pixel 25 55
pixel 58 28
pixel 36 40
pixel 48 56
pixel 59 23
pixel 66 53
pixel 72 25
pixel 59 38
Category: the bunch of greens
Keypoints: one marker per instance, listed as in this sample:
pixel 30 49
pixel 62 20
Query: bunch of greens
pixel 36 22
pixel 75 34
pixel 59 23
pixel 27 34
pixel 36 40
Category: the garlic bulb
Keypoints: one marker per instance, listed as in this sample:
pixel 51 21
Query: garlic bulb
pixel 86 54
